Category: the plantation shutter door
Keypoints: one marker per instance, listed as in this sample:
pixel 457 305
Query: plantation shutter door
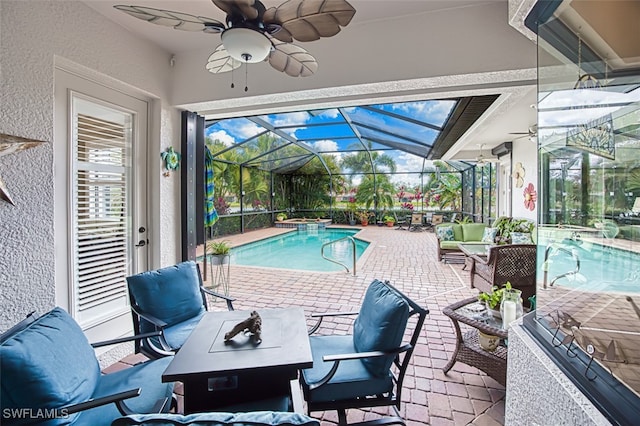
pixel 103 137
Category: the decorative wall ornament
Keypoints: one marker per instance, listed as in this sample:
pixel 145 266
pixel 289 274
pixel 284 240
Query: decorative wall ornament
pixel 519 174
pixel 530 197
pixel 595 136
pixel 10 144
pixel 171 160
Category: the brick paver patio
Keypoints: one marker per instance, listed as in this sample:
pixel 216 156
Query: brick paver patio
pixel 408 260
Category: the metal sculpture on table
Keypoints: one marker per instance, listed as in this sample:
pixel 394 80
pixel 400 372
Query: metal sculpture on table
pixel 252 326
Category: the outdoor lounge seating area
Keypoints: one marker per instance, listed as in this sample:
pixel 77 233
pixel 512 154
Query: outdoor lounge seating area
pixel 464 395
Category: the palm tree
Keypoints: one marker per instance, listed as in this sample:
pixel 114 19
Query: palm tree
pixel 382 189
pixel 447 190
pixel 361 162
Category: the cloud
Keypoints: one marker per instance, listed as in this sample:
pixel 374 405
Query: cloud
pixel 291 119
pixel 223 137
pixel 427 111
pixel 330 113
pixel 409 163
pixel 325 145
pixel 249 129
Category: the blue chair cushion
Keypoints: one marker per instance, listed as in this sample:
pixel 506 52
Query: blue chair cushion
pixel 147 375
pixel 49 364
pixel 176 335
pixel 171 294
pixel 214 419
pixel 351 380
pixel 380 325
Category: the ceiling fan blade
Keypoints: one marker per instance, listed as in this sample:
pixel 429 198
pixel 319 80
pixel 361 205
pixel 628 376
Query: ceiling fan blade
pixel 292 60
pixel 309 20
pixel 270 21
pixel 220 61
pixel 177 20
pixel 246 8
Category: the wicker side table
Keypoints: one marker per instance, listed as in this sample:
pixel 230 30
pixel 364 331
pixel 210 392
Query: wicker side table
pixel 468 349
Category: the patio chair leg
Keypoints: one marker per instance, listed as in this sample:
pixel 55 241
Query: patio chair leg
pixel 342 416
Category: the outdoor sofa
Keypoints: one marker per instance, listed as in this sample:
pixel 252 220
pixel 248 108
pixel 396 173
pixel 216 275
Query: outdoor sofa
pixel 505 230
pixel 451 234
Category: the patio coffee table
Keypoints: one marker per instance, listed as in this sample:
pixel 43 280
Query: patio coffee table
pixel 217 374
pixel 473 250
pixel 468 349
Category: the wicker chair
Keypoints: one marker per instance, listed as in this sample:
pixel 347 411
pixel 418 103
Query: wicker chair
pixel 515 263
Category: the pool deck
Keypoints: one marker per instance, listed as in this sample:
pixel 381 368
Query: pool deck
pixel 408 260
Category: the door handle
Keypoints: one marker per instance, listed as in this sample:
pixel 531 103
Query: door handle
pixel 141 243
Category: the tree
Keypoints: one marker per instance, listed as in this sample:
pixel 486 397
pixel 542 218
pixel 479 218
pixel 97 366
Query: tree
pixel 361 162
pixel 447 191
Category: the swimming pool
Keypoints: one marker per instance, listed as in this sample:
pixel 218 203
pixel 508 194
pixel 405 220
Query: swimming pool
pixel 300 250
pixel 602 268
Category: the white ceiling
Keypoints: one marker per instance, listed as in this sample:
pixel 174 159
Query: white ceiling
pixel 379 22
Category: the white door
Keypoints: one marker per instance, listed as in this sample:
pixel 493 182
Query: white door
pixel 100 172
pixel 504 187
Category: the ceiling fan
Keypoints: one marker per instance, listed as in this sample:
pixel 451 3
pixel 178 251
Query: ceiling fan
pixel 481 160
pixel 531 133
pixel 253 33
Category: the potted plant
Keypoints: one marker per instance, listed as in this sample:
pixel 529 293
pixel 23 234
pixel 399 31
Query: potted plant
pixel 281 217
pixel 363 217
pixel 219 251
pixel 492 300
pixel 389 220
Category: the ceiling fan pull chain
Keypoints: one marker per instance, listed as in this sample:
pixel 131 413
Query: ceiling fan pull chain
pixel 246 77
pixel 232 85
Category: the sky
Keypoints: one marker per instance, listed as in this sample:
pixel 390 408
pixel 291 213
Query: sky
pixel 332 131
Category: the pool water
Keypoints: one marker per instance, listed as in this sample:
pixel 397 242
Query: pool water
pixel 602 268
pixel 300 250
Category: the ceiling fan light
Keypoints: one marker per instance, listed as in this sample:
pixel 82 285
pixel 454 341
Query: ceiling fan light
pixel 246 45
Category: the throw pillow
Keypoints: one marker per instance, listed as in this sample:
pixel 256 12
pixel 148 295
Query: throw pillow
pixel 489 235
pixel 445 233
pixel 521 238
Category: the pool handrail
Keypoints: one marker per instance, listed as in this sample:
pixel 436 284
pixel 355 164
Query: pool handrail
pixel 353 245
pixel 566 274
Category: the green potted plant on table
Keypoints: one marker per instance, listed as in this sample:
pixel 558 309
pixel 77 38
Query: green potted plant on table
pixel 493 299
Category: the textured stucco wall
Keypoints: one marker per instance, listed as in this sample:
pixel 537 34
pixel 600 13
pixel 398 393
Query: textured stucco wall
pixel 526 152
pixel 34 37
pixel 538 393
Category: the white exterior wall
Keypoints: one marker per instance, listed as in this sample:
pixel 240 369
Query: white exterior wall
pixel 526 152
pixel 34 37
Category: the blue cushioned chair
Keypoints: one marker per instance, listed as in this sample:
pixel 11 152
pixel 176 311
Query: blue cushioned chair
pixel 365 369
pixel 171 300
pixel 49 369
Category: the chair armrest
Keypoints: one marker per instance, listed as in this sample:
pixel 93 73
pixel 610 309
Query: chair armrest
pixel 482 260
pixel 126 339
pixel 321 316
pixel 361 355
pixel 158 323
pixel 97 402
pixel 228 299
pixel 118 399
pixel 333 314
pixel 356 355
